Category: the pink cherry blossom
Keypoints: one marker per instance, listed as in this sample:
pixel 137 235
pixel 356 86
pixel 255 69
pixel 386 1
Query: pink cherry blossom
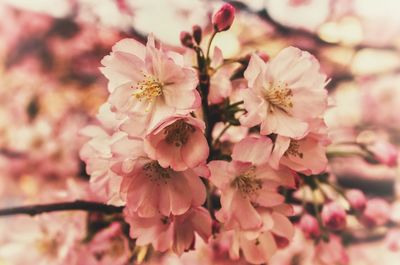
pixel 148 188
pixel 356 199
pixel 220 84
pixel 175 232
pixel 108 246
pixel 284 94
pixel 178 142
pixel 377 212
pixel 148 83
pixel 334 216
pixel 244 184
pixel 259 245
pixel 310 227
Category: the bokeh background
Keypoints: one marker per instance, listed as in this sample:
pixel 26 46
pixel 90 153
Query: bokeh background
pixel 50 88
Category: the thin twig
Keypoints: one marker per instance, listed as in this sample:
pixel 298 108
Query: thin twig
pixel 61 206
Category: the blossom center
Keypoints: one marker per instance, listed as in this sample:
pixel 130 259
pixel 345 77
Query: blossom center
pixel 148 88
pixel 247 183
pixel 178 133
pixel 279 96
pixel 157 173
pixel 293 149
pixel 48 246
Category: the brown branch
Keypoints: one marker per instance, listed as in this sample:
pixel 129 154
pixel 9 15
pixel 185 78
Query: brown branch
pixel 61 206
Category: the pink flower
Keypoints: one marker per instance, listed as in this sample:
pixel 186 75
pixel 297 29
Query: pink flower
pixel 377 212
pixel 356 199
pixel 384 152
pixel 148 83
pixel 170 232
pixel 244 184
pixel 110 246
pixel 334 216
pixel 310 227
pixel 149 188
pixel 223 18
pixel 306 155
pixel 220 84
pixel 259 245
pixel 331 252
pixel 178 142
pixel 284 94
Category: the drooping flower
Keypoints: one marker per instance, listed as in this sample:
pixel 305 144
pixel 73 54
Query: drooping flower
pixel 284 94
pixel 148 83
pixel 176 232
pixel 148 188
pixel 178 142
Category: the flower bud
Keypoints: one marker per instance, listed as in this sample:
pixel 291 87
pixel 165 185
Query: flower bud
pixel 385 153
pixel 197 33
pixel 376 212
pixel 186 39
pixel 310 227
pixel 223 18
pixel 264 56
pixel 334 216
pixel 356 199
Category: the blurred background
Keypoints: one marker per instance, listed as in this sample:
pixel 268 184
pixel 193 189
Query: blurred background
pixel 50 88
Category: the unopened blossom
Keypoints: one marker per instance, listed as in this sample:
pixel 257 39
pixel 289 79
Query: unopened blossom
pixel 356 199
pixel 148 188
pixel 148 83
pixel 334 216
pixel 223 18
pixel 178 142
pixel 176 232
pixel 284 94
pixel 384 152
pixel 244 184
pixel 376 212
pixel 310 227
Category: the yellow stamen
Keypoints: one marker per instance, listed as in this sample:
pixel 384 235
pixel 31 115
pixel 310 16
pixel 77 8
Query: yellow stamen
pixel 147 89
pixel 247 183
pixel 178 133
pixel 293 149
pixel 279 96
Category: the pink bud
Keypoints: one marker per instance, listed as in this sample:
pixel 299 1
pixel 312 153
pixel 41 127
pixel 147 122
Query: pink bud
pixel 223 18
pixel 385 153
pixel 376 212
pixel 334 216
pixel 310 227
pixel 197 33
pixel 264 56
pixel 186 39
pixel 356 199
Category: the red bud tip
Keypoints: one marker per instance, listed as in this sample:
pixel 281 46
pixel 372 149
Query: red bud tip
pixel 197 32
pixel 223 18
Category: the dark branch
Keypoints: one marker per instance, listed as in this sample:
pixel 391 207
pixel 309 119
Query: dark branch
pixel 62 206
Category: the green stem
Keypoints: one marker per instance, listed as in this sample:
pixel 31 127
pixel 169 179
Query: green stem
pixel 209 46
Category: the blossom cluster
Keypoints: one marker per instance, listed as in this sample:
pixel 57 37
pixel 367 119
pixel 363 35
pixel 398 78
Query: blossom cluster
pixel 159 148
